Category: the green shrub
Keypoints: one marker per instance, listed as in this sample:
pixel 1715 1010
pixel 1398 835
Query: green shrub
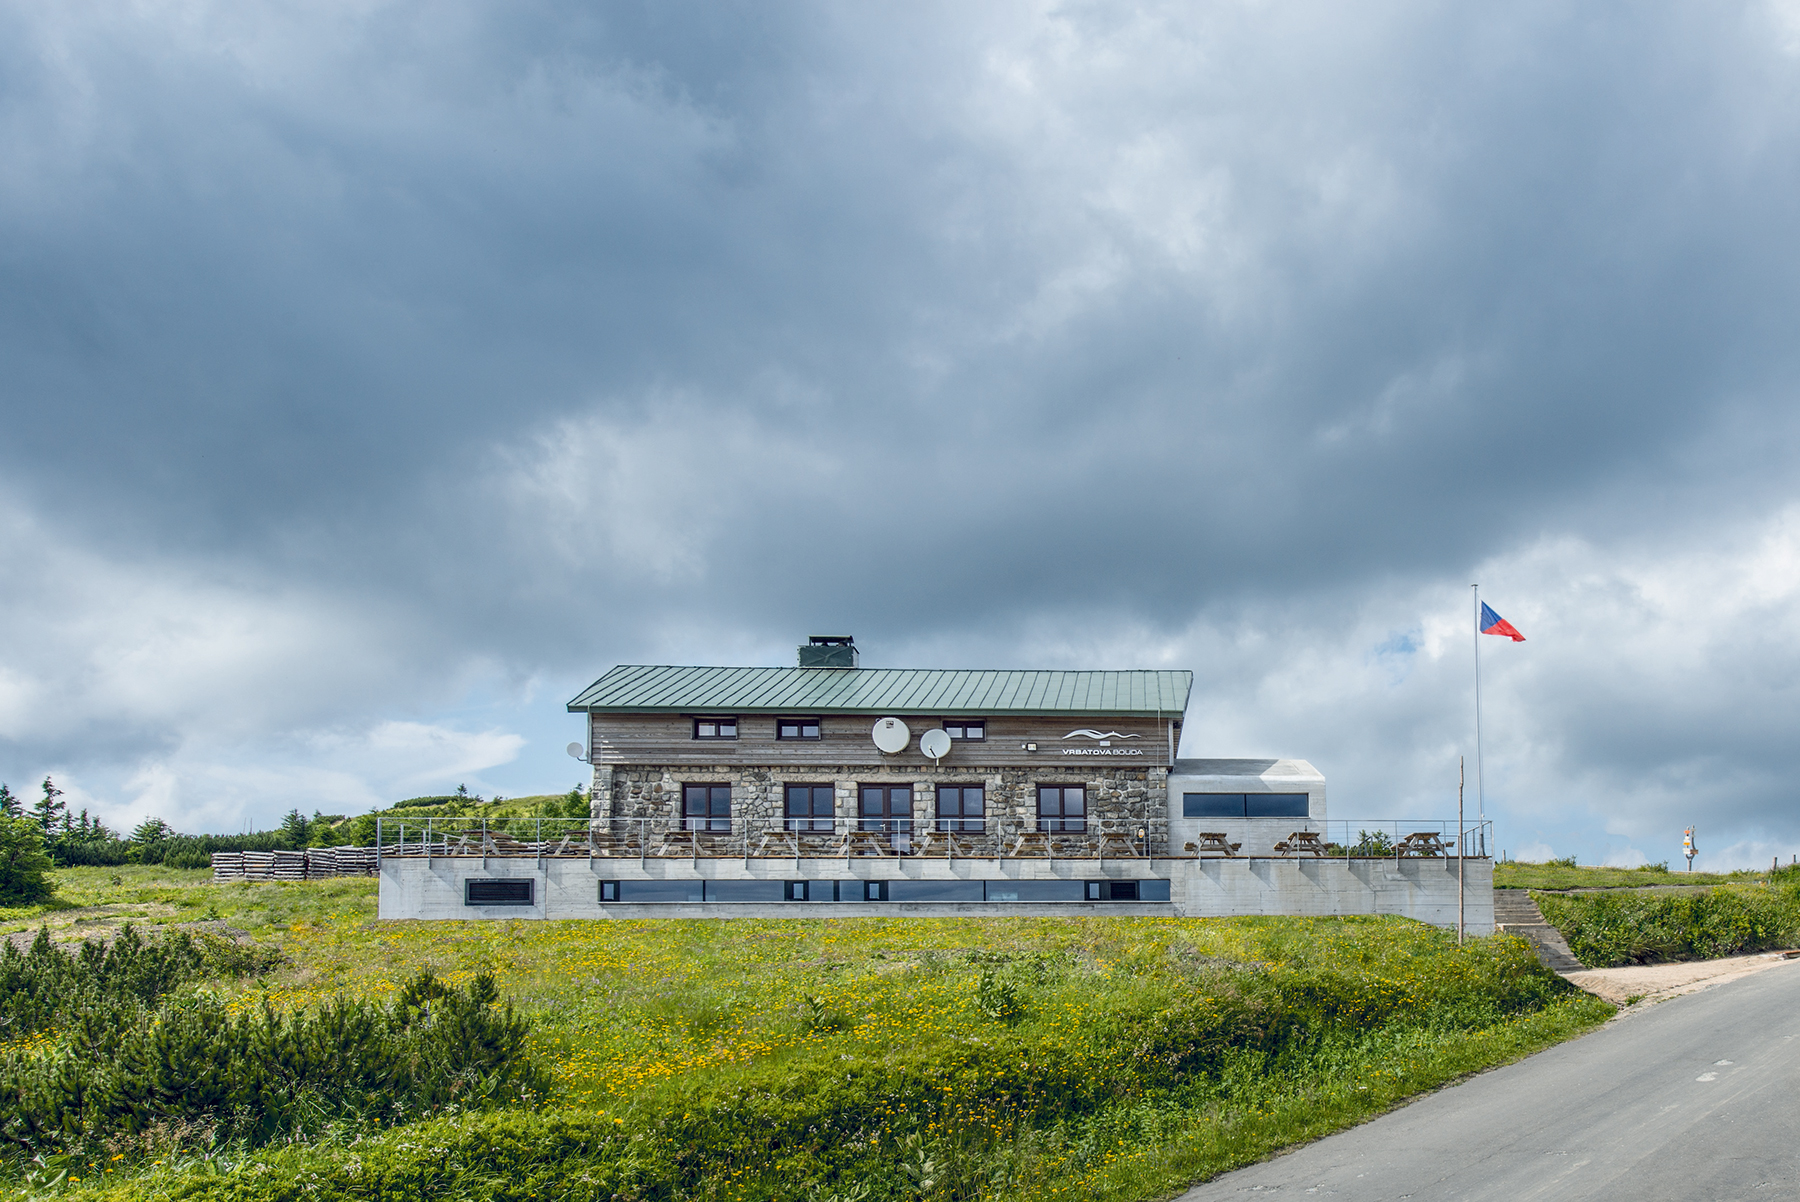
pixel 258 1074
pixel 48 987
pixel 998 1113
pixel 24 864
pixel 1605 930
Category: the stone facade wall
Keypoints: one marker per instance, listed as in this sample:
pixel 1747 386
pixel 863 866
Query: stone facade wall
pixel 1121 800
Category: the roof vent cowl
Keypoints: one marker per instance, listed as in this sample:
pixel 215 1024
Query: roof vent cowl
pixel 828 651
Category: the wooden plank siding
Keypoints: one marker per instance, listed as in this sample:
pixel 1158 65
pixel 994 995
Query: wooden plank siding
pixel 667 739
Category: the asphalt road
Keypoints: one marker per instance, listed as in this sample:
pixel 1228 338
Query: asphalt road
pixel 1694 1098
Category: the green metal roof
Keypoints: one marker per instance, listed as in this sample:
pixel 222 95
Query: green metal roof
pixel 645 689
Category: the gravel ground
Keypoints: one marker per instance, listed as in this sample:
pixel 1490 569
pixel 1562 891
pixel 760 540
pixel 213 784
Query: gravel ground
pixel 1657 982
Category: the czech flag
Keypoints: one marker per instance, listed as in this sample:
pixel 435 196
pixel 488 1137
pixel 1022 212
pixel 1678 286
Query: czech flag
pixel 1493 623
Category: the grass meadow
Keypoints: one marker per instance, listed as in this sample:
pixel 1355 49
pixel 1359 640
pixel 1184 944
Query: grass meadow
pixel 857 1059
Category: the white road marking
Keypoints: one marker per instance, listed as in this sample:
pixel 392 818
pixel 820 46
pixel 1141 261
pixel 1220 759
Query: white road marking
pixel 1707 1077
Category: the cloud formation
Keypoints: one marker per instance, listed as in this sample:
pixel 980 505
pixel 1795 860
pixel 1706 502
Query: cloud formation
pixel 388 367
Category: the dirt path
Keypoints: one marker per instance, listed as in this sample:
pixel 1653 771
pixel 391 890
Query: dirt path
pixel 1658 982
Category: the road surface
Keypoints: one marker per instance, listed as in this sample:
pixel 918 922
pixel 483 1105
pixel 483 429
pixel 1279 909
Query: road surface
pixel 1694 1098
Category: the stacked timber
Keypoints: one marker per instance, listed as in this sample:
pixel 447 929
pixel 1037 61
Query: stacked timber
pixel 355 861
pixel 315 863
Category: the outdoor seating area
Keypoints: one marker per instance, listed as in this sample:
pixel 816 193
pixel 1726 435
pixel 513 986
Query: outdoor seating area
pixel 649 839
pixel 1212 843
pixel 1301 843
pixel 653 839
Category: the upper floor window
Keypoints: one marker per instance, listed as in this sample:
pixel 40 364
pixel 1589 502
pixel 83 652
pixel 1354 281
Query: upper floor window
pixel 1062 809
pixel 965 728
pixel 810 808
pixel 962 808
pixel 715 728
pixel 706 807
pixel 796 728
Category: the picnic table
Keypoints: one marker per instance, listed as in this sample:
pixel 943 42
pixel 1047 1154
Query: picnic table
pixel 867 843
pixel 1301 843
pixel 1117 844
pixel 1422 843
pixel 1030 844
pixel 1212 843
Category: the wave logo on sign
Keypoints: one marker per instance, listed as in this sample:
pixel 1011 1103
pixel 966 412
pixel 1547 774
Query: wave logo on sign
pixel 1094 734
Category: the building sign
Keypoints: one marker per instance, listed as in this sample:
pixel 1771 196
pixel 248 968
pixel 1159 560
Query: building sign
pixel 1104 738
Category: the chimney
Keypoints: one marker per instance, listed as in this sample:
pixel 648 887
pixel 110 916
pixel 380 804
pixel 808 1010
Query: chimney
pixel 828 651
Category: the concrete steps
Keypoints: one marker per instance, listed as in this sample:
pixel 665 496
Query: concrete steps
pixel 1515 913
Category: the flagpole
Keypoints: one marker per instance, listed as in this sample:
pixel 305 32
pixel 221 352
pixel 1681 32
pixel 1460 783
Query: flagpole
pixel 1480 780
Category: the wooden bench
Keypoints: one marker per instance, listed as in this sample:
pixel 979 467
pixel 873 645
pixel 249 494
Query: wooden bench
pixel 1212 843
pixel 1422 843
pixel 1119 845
pixel 1301 843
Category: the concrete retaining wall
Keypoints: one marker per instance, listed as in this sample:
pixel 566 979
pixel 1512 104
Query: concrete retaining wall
pixel 1423 889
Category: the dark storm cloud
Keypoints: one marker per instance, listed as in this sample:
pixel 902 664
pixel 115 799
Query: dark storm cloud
pixel 467 341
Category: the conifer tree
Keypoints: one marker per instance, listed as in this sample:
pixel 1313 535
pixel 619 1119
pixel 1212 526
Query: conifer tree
pixel 10 805
pixel 49 809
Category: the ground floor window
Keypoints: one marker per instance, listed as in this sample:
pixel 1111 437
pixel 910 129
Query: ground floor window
pixel 810 808
pixel 706 807
pixel 962 808
pixel 1062 808
pixel 887 810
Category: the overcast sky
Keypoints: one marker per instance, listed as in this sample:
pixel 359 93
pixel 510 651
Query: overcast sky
pixel 376 375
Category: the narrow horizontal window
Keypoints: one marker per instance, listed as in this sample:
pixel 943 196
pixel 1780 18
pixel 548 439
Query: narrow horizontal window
pixel 1212 805
pixel 715 728
pixel 498 893
pixel 1275 805
pixel 965 728
pixel 797 728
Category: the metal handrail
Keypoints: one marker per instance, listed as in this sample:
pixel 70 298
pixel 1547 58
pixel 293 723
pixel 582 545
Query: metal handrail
pixel 991 837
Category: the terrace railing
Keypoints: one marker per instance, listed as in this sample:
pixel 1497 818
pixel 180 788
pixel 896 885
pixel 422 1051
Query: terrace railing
pixel 787 838
pixel 992 837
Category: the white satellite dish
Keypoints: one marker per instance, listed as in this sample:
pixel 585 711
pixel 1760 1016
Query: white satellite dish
pixel 575 750
pixel 891 735
pixel 935 743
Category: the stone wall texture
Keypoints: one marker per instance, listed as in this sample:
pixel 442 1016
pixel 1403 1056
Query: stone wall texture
pixel 1119 800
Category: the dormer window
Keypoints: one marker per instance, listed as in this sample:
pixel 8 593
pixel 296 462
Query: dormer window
pixel 965 728
pixel 796 728
pixel 715 728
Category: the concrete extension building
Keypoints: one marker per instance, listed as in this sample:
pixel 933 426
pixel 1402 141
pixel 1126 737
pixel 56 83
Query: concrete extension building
pixel 832 789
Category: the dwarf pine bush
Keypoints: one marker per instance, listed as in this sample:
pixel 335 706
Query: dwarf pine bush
pixel 1608 929
pixel 129 1050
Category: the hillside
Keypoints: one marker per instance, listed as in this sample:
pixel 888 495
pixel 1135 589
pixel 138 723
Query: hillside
pixel 857 1059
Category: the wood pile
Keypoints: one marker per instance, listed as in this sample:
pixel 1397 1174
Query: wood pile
pixel 312 864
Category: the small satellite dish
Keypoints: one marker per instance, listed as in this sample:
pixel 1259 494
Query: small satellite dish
pixel 575 750
pixel 891 735
pixel 935 743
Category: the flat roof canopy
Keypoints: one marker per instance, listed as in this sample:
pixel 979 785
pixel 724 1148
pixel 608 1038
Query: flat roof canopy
pixel 654 689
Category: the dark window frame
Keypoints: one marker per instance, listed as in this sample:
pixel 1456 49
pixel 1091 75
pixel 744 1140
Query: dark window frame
pixel 529 883
pixel 952 727
pixel 890 826
pixel 960 822
pixel 716 721
pixel 710 821
pixel 813 822
pixel 1061 823
pixel 801 724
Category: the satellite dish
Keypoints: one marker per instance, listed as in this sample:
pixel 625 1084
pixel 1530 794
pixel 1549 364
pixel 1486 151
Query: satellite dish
pixel 575 750
pixel 891 735
pixel 935 743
